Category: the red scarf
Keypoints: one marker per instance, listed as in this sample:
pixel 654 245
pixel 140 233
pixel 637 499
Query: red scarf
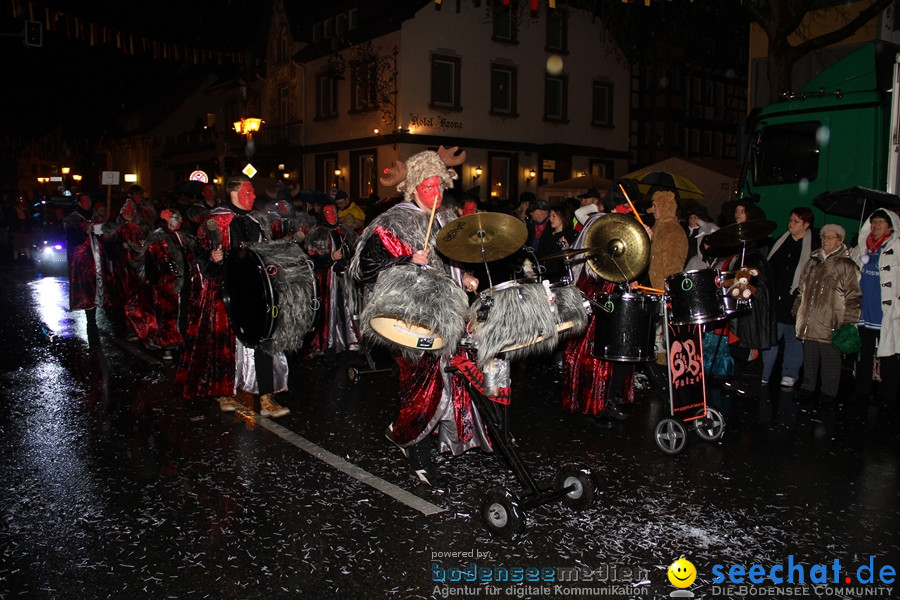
pixel 872 244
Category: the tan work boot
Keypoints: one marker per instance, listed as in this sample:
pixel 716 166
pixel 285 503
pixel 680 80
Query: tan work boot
pixel 227 403
pixel 269 408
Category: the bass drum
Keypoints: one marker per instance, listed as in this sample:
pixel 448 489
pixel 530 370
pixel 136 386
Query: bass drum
pixel 415 308
pixel 270 295
pixel 514 320
pixel 626 326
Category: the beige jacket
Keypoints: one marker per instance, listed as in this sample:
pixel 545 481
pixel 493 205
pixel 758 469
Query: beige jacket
pixel 829 295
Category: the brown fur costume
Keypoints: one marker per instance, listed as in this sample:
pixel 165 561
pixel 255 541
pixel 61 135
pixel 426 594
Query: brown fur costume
pixel 668 251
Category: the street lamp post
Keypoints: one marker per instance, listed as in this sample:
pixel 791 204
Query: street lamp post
pixel 247 126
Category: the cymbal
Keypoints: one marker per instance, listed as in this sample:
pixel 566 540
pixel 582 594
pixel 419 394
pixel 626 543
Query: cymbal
pixel 483 236
pixel 569 253
pixel 737 234
pixel 620 247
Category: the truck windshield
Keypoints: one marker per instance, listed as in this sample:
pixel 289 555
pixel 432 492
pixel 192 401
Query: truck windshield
pixel 786 153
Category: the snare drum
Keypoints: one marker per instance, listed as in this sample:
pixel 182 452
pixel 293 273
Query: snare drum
pixel 515 319
pixel 626 326
pixel 415 309
pixel 269 290
pixel 695 296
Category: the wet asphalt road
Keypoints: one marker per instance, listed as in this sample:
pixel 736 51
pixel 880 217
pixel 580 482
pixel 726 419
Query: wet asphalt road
pixel 113 486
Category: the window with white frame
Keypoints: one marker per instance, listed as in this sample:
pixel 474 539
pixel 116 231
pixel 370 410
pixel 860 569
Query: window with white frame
pixel 326 96
pixel 557 31
pixel 555 98
pixel 601 104
pixel 363 87
pixel 445 81
pixel 503 89
pixel 504 23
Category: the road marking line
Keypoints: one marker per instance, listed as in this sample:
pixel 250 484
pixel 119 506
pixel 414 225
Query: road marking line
pixel 395 492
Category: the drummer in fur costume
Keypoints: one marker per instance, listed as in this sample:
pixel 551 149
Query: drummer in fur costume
pixel 216 363
pixel 430 400
pixel 330 246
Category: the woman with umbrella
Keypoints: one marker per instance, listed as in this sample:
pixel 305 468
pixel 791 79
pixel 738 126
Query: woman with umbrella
pixel 878 257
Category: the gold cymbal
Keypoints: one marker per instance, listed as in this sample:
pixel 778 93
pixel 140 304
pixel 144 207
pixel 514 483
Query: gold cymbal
pixel 738 234
pixel 483 236
pixel 570 253
pixel 620 247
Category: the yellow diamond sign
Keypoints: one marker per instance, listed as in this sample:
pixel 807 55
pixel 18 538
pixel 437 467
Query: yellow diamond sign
pixel 249 171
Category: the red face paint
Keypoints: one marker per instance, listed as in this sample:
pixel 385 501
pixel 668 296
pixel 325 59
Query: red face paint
pixel 430 193
pixel 246 196
pixel 330 214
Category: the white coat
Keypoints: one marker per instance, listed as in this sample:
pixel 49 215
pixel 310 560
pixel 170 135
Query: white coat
pixel 889 341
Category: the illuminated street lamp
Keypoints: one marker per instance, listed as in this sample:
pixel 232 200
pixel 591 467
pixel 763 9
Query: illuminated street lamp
pixel 247 126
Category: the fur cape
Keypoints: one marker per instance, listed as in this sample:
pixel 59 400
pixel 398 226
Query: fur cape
pixel 407 222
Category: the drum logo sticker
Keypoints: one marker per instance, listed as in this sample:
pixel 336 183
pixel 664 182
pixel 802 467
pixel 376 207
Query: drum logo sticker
pixel 608 306
pixel 425 343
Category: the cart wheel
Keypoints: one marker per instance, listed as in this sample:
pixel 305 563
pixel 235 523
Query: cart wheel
pixel 500 513
pixel 670 436
pixel 581 483
pixel 711 427
pixel 353 374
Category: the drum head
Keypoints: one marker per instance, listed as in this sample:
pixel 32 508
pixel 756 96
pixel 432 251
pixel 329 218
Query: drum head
pixel 406 334
pixel 249 296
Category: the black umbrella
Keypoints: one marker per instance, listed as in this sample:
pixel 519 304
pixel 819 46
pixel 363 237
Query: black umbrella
pixel 856 202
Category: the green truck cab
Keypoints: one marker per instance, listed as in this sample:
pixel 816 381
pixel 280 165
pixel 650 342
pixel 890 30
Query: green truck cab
pixel 840 131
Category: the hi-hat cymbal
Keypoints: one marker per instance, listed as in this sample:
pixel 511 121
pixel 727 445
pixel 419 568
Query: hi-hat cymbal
pixel 483 236
pixel 737 234
pixel 570 253
pixel 620 247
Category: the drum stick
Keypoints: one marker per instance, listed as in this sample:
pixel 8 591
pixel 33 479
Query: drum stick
pixel 633 209
pixel 430 223
pixel 649 289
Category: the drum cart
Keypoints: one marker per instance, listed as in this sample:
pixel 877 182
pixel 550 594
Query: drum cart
pixel 353 372
pixel 687 389
pixel 502 510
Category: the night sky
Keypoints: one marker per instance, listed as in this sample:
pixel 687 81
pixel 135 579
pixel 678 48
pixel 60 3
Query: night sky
pixel 70 83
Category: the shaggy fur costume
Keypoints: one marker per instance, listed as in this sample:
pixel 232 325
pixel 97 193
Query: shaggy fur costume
pixel 294 287
pixel 407 224
pixel 570 308
pixel 418 296
pixel 522 315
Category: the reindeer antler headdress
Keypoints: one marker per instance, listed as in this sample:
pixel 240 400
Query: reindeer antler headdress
pixel 419 167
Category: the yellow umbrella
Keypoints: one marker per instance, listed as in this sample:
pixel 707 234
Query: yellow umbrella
pixel 647 180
